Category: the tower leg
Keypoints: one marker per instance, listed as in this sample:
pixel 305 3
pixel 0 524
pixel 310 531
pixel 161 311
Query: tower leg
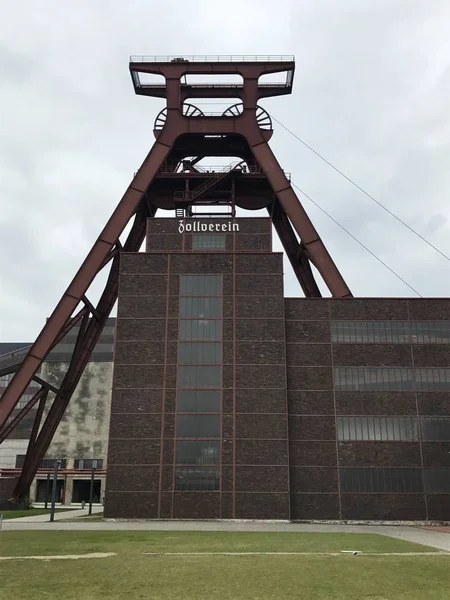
pixel 293 208
pixel 88 336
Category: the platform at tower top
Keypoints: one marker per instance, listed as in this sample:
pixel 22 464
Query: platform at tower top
pixel 200 76
pixel 206 58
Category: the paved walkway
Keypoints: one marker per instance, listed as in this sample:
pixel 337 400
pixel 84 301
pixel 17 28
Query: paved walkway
pixel 419 535
pixel 59 516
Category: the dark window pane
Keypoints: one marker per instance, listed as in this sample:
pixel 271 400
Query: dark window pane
pixel 201 329
pixel 199 377
pixel 49 463
pixel 194 479
pixel 432 332
pixel 370 331
pixel 198 453
pixel 88 463
pixel 438 481
pixel 432 379
pixel 435 429
pixel 20 459
pixel 372 480
pixel 201 285
pixel 379 429
pixel 198 401
pixel 373 378
pixel 208 242
pixel 198 353
pixel 198 426
pixel 201 307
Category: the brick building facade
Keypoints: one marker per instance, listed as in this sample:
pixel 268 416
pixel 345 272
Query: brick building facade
pixel 231 401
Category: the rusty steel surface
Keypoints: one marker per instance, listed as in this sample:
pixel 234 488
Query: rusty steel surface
pixel 242 131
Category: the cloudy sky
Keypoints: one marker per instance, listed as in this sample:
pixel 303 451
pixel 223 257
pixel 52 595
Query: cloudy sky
pixel 371 94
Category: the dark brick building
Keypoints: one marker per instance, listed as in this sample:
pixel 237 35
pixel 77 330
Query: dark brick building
pixel 231 401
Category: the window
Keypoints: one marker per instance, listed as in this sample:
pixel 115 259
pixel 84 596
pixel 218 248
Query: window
pixel 198 401
pixel 393 378
pixel 197 479
pixel 438 480
pixel 382 481
pixel 199 381
pixel 432 379
pixel 416 332
pixel 432 332
pixel 201 329
pixel 370 331
pixel 380 429
pixel 88 463
pixel 49 463
pixel 198 426
pixel 435 429
pixel 201 285
pixel 208 242
pixel 373 378
pixel 198 452
pixel 199 353
pixel 201 307
pixel 196 377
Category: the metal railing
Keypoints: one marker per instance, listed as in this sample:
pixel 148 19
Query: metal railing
pixel 199 58
pixel 231 85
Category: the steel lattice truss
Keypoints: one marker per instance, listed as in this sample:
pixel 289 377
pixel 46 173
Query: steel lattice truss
pixel 171 177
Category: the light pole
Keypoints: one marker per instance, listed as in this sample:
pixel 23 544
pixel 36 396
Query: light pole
pixel 91 490
pixel 55 481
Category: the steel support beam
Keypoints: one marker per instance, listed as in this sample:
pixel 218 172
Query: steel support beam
pixel 294 251
pixel 87 339
pixel 302 224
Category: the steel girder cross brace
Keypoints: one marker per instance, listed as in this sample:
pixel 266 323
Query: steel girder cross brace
pixel 106 247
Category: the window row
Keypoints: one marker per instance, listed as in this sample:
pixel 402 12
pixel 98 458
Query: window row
pixel 199 353
pixel 208 242
pixel 192 452
pixel 401 332
pixel 201 285
pixel 199 377
pixel 200 329
pixel 49 463
pixel 198 426
pixel 393 429
pixel 202 308
pixel 193 401
pixel 395 378
pixel 197 479
pixel 88 463
pixel 394 481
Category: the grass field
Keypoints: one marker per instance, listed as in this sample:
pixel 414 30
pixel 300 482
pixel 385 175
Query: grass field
pixel 133 575
pixel 31 512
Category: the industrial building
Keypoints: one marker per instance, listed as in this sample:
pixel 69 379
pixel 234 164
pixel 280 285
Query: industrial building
pixel 213 396
pixel 231 401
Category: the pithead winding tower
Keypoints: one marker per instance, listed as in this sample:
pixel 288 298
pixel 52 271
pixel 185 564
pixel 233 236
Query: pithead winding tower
pixel 171 178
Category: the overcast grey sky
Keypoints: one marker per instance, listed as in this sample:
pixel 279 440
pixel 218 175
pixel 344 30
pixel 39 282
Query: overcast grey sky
pixel 371 93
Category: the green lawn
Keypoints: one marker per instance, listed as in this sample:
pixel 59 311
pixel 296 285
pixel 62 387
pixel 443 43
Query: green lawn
pixel 31 512
pixel 133 575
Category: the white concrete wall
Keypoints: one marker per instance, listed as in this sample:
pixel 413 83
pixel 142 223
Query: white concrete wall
pixel 8 451
pixel 84 429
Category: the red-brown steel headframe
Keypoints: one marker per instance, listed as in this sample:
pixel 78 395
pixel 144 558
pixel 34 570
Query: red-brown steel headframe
pixel 171 177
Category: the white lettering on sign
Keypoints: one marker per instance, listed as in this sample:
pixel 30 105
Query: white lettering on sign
pixel 196 226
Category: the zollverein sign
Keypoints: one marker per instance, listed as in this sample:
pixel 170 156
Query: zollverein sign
pixel 197 226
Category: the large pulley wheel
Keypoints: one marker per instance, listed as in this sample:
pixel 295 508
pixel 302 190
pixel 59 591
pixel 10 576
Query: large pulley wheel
pixel 262 116
pixel 189 110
